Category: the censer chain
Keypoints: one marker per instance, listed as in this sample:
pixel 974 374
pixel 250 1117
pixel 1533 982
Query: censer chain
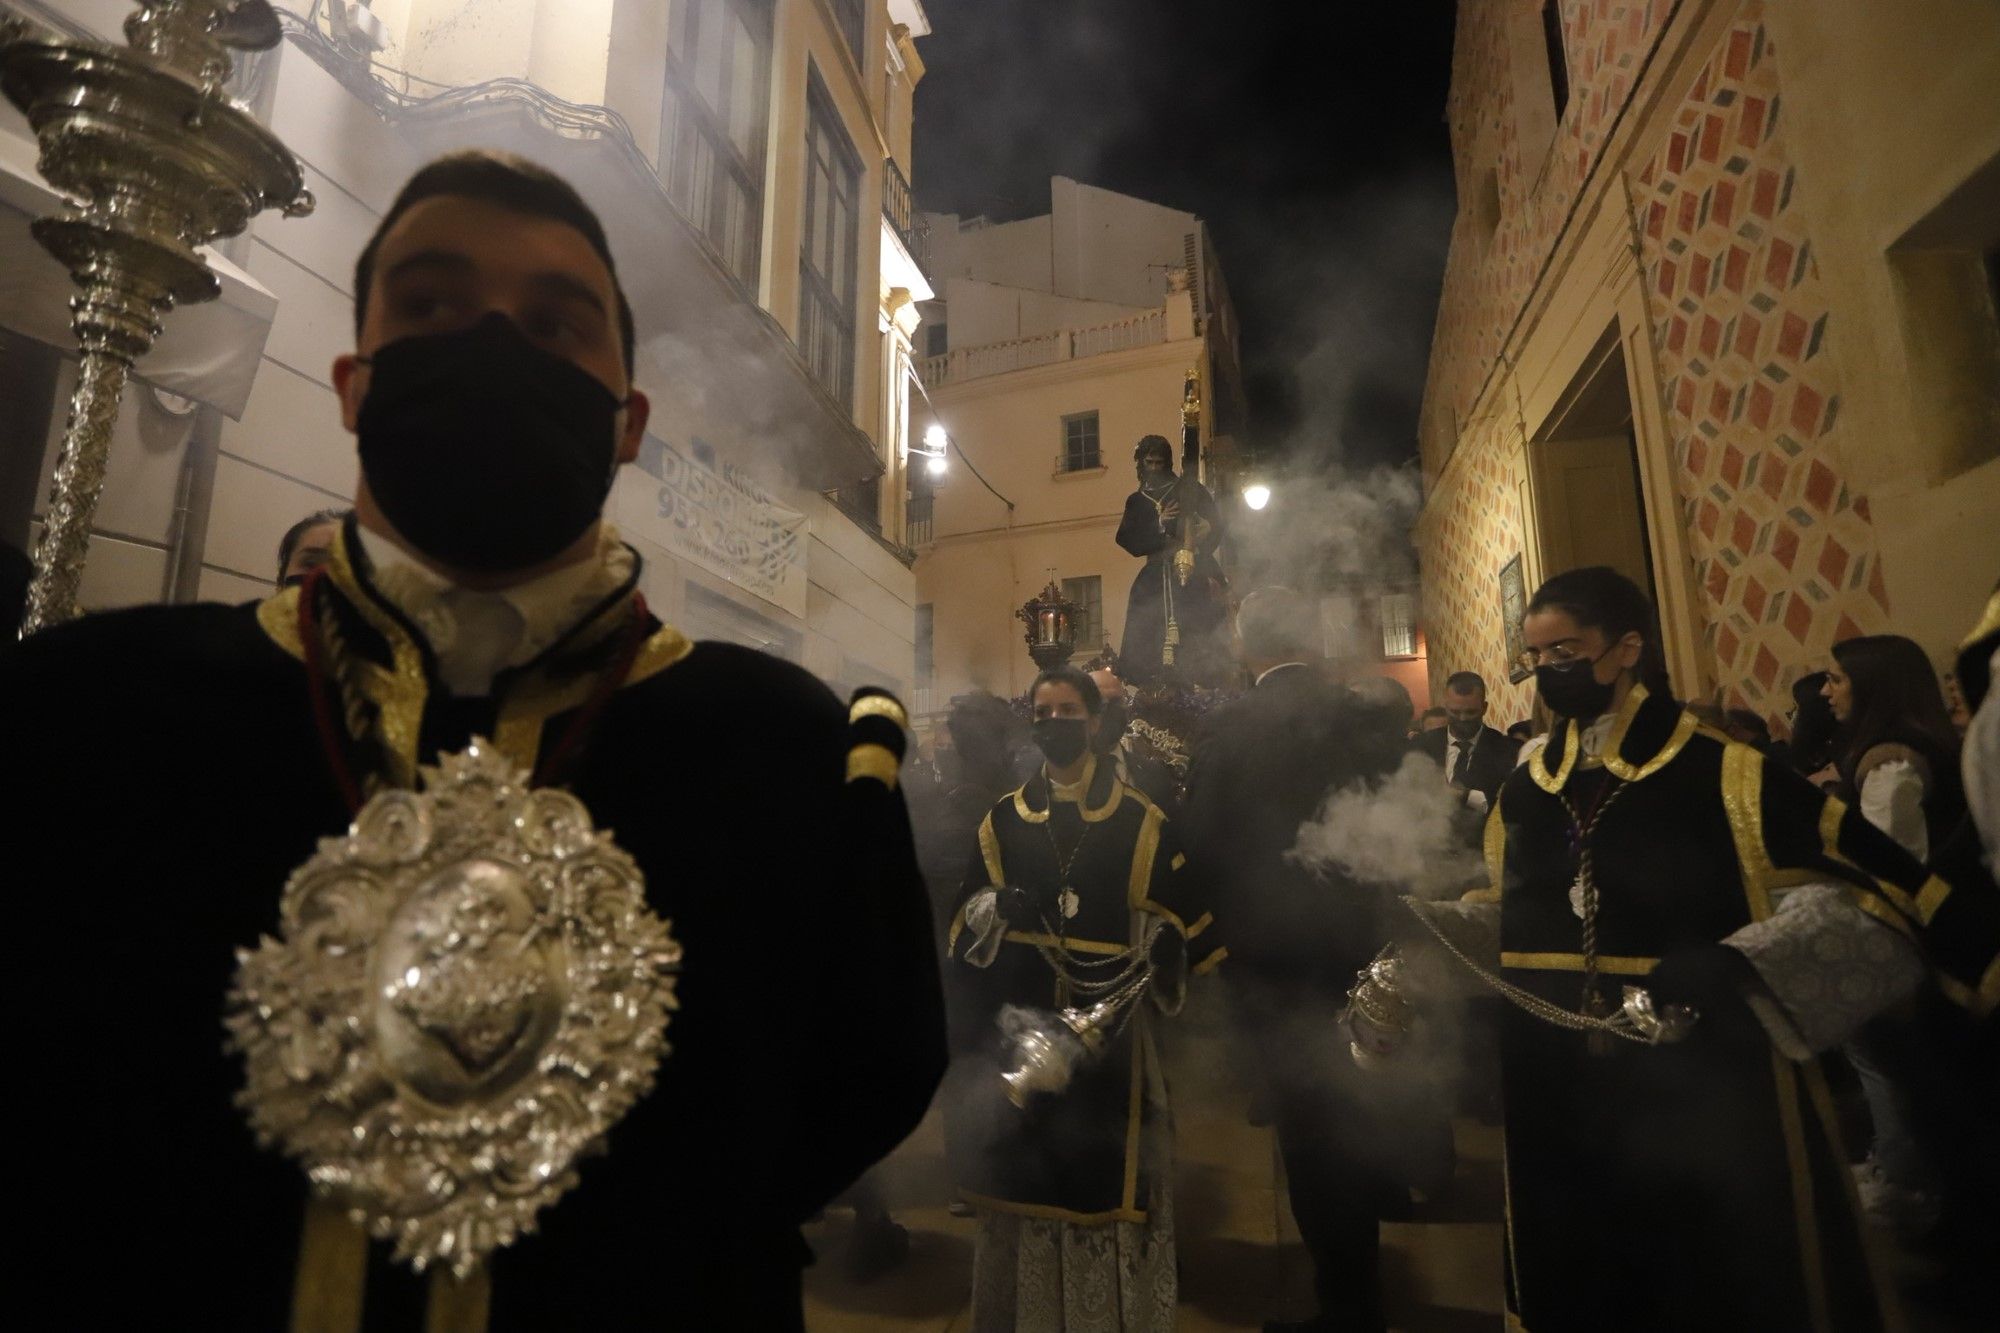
pixel 1526 1001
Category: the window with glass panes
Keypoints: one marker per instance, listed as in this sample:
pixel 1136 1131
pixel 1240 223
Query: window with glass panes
pixel 827 254
pixel 1079 445
pixel 712 124
pixel 1398 612
pixel 853 18
pixel 1087 593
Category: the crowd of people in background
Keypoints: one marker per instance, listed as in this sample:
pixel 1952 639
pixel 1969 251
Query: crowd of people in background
pixel 1747 906
pixel 1873 729
pixel 1871 733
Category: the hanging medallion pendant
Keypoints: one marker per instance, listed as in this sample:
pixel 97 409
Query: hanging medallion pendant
pixel 465 994
pixel 1068 903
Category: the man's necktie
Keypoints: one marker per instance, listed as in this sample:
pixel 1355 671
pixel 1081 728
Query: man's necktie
pixel 1461 770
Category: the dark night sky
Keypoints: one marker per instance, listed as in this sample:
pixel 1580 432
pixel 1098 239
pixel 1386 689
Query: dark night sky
pixel 1309 135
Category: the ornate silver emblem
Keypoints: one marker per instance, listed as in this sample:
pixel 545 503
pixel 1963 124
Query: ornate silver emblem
pixel 466 993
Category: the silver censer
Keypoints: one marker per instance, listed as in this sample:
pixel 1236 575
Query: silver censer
pixel 154 160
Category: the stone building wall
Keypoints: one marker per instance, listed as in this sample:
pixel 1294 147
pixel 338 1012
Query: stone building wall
pixel 1784 549
pixel 1678 140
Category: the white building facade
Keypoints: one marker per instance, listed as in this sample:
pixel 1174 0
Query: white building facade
pixel 1057 342
pixel 750 159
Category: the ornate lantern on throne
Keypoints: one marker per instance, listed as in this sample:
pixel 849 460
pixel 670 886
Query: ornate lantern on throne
pixel 1051 619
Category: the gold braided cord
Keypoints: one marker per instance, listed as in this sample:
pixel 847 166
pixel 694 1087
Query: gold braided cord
pixel 357 713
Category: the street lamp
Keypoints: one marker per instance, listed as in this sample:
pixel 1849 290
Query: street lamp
pixel 935 443
pixel 1256 495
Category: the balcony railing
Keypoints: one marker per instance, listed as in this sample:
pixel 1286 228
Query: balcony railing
pixel 967 363
pixel 901 210
pixel 918 524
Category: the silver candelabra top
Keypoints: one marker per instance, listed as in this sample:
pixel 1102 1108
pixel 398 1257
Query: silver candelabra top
pixel 153 161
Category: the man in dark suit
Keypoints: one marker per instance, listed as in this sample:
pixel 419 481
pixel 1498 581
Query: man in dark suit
pixel 1474 758
pixel 1261 767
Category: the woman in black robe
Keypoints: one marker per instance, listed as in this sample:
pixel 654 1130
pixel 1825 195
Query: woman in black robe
pixel 1698 1184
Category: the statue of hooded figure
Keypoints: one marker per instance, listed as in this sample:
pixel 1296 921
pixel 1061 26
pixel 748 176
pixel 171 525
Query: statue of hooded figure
pixel 1152 530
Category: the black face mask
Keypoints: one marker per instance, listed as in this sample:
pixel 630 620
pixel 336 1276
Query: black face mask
pixel 1464 731
pixel 486 452
pixel 1061 739
pixel 1571 690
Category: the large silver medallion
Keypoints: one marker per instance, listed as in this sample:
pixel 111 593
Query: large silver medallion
pixel 466 993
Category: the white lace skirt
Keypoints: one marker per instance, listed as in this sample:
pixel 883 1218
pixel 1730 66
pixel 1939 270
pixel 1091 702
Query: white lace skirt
pixel 1040 1275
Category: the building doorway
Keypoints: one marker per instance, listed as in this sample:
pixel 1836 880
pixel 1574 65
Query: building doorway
pixel 1584 475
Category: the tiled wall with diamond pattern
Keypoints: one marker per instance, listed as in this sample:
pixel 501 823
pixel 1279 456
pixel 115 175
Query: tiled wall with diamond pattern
pixel 1784 551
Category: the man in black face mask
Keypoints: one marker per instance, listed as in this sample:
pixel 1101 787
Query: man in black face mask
pixel 1072 875
pixel 475 591
pixel 1473 757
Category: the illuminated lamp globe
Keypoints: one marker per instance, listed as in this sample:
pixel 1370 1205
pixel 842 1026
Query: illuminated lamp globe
pixel 936 465
pixel 1257 495
pixel 935 439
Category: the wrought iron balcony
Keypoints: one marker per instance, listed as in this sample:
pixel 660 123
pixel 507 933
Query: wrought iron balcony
pixel 900 209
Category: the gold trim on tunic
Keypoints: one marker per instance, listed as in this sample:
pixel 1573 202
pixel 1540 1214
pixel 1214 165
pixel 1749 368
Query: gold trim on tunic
pixel 1073 943
pixel 278 617
pixel 878 705
pixel 989 851
pixel 1140 879
pixel 333 1262
pixel 1804 1217
pixel 526 709
pixel 1573 962
pixel 1113 797
pixel 1742 802
pixel 398 693
pixel 1630 772
pixel 870 760
pixel 1887 1302
pixel 1538 764
pixel 1494 845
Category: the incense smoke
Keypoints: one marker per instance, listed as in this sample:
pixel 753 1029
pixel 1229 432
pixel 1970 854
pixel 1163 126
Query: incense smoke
pixel 1402 834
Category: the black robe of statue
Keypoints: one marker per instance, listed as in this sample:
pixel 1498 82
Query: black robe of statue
pixel 1203 653
pixel 1075 1155
pixel 174 777
pixel 1701 1184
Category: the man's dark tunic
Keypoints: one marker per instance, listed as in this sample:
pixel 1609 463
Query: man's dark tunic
pixel 1261 767
pixel 176 778
pixel 1698 1185
pixel 1203 652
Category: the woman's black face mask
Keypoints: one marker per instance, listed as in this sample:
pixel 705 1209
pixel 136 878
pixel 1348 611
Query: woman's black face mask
pixel 1572 689
pixel 487 453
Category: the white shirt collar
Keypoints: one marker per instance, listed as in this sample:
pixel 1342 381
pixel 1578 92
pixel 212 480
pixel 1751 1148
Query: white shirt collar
pixel 477 634
pixel 1594 736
